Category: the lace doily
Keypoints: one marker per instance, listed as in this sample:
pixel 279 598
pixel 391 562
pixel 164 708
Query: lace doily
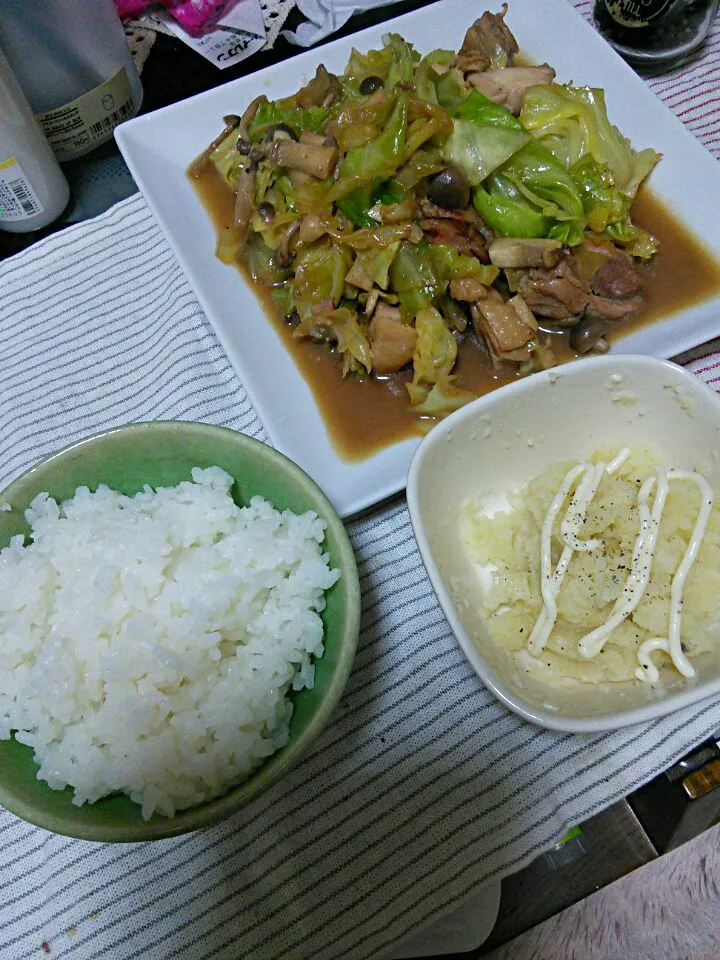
pixel 275 13
pixel 140 40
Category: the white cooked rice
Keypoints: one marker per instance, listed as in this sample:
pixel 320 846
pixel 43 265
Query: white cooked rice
pixel 148 643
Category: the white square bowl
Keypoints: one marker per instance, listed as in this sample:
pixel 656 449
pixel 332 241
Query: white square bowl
pixel 501 441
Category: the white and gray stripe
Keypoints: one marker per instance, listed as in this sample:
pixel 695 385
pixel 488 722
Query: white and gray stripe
pixel 421 789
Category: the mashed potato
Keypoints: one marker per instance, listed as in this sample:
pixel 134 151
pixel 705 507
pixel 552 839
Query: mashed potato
pixel 508 545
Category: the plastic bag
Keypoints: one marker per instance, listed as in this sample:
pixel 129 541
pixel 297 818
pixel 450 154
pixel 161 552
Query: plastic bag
pixel 192 15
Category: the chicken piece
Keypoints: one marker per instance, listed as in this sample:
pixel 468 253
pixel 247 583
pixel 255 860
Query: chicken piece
pixel 487 41
pixel 605 308
pixel 431 211
pixel 523 311
pixel 562 297
pixel 392 342
pixel 507 87
pixel 501 324
pixel 458 233
pixel 592 253
pixel 468 289
pixel 389 312
pixel 616 279
pixel 512 252
pixel 557 294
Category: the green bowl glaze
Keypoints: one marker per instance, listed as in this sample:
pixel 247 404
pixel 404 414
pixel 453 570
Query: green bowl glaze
pixel 162 453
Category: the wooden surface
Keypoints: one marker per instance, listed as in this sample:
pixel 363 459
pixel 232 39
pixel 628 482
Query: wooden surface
pixel 668 909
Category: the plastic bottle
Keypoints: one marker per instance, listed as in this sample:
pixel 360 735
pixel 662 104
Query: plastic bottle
pixel 74 65
pixel 654 35
pixel 33 188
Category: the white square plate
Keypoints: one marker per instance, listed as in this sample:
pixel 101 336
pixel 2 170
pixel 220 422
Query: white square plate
pixel 158 148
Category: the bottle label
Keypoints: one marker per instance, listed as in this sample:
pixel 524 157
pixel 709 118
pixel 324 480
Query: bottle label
pixel 89 120
pixel 637 13
pixel 18 200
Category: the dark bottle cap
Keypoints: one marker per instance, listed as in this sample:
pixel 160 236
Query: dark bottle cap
pixel 654 35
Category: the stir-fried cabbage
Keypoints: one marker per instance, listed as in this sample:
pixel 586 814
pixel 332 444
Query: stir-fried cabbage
pixel 484 136
pixel 384 192
pixel 436 349
pixel 376 160
pixel 320 271
pixel 572 122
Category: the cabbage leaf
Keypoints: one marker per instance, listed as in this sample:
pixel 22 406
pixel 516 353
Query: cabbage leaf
pixel 320 271
pixel 287 111
pixel 358 204
pixel 413 279
pixel 440 400
pixel 449 265
pixel 402 61
pixel 532 195
pixel 427 80
pixel 351 339
pixel 377 263
pixel 226 159
pixel 543 181
pixel 435 350
pixel 376 160
pixel 602 201
pixel 484 136
pixel 423 163
pixel 506 211
pixel 572 122
pixel 636 240
pixel 374 63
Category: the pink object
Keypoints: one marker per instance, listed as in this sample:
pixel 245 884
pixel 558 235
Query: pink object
pixel 193 15
pixel 128 8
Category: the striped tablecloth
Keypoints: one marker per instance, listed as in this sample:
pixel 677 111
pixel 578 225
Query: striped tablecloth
pixel 421 789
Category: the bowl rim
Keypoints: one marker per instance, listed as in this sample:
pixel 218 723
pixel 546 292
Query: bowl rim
pixel 212 811
pixel 694 693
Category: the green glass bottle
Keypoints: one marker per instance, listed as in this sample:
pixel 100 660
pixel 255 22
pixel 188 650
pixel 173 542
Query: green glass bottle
pixel 654 35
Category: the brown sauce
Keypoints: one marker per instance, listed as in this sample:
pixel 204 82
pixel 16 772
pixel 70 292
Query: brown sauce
pixel 681 274
pixel 364 415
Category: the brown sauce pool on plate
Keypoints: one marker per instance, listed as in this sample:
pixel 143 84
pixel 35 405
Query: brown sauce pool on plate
pixel 364 415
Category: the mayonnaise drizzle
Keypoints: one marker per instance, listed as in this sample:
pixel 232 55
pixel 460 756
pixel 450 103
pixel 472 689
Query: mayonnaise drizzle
pixel 671 644
pixel 589 477
pixel 592 643
pixel 551 581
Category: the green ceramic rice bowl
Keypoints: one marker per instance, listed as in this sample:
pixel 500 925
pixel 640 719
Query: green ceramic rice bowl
pixel 163 453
